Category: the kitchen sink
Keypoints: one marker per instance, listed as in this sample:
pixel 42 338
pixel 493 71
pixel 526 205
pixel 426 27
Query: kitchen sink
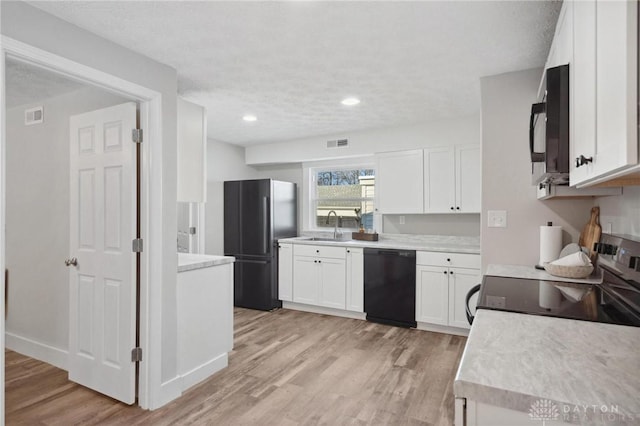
pixel 322 239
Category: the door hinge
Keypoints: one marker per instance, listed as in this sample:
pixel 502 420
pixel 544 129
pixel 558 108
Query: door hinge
pixel 136 355
pixel 192 230
pixel 136 135
pixel 137 245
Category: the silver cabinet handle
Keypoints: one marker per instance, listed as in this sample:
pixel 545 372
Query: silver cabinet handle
pixel 73 261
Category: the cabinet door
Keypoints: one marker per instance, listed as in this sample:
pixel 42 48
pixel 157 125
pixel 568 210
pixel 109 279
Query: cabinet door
pixel 399 182
pixel 305 280
pixel 192 152
pixel 333 286
pixel 285 272
pixel 439 180
pixel 432 294
pixel 355 280
pixel 616 88
pixel 582 89
pixel 564 35
pixel 468 179
pixel 460 282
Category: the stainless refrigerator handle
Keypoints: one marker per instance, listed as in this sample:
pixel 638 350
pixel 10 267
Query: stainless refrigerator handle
pixel 265 225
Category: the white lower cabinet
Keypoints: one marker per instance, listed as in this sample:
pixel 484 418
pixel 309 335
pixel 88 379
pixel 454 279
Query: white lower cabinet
pixel 332 283
pixel 285 272
pixel 441 287
pixel 355 279
pixel 318 280
pixel 305 280
pixel 460 282
pixel 432 295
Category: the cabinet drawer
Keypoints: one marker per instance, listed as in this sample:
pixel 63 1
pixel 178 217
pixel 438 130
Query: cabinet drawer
pixel 459 260
pixel 319 251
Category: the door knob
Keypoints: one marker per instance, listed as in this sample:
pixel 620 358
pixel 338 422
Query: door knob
pixel 73 261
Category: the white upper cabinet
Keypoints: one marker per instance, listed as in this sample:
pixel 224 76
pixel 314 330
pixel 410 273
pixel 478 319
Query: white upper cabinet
pixel 468 179
pixel 561 51
pixel 452 179
pixel 604 90
pixel 439 180
pixel 616 86
pixel 192 152
pixel 434 180
pixel 582 85
pixel 399 182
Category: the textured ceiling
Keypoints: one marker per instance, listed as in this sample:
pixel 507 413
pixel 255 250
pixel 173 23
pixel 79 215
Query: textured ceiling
pixel 27 84
pixel 290 63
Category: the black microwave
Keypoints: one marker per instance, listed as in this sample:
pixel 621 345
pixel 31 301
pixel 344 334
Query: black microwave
pixel 549 130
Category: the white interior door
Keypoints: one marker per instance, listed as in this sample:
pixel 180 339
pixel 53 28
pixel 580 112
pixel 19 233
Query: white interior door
pixel 103 224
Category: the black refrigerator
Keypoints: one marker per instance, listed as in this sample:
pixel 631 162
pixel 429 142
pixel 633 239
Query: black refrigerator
pixel 257 213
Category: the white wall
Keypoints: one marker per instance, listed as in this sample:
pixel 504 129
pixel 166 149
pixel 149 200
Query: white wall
pixel 506 177
pixel 464 130
pixel 224 162
pixel 622 212
pixel 34 27
pixel 37 219
pixel 460 225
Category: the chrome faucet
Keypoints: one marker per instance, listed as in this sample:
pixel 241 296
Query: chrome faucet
pixel 335 229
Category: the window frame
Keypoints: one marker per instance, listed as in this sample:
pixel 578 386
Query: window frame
pixel 312 197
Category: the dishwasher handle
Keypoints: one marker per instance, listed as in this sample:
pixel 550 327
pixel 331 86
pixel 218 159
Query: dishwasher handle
pixel 383 252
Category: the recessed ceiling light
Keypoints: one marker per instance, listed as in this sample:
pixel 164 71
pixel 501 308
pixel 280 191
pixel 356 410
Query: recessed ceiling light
pixel 350 101
pixel 249 118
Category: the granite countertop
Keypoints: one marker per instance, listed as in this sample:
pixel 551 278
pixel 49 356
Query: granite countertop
pixel 585 368
pixel 470 245
pixel 190 261
pixel 529 272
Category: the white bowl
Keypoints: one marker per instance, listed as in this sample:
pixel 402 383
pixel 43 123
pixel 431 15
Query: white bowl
pixel 569 271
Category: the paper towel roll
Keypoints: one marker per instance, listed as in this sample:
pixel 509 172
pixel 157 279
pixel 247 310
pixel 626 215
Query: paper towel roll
pixel 550 243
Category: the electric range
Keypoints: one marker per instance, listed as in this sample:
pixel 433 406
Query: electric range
pixel 615 300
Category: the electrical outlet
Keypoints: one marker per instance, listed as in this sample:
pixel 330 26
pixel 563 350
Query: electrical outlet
pixel 606 228
pixel 401 219
pixel 497 218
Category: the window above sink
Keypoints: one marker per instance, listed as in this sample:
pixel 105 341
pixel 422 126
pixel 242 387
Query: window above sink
pixel 347 190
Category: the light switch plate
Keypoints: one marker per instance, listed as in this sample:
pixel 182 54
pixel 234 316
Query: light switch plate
pixel 401 220
pixel 497 218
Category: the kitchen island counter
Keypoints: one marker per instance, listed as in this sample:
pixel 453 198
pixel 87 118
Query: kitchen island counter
pixel 590 371
pixel 191 261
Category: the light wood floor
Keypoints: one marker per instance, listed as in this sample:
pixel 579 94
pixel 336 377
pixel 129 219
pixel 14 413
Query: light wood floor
pixel 287 368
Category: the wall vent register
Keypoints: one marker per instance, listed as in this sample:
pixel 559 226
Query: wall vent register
pixel 33 116
pixel 339 143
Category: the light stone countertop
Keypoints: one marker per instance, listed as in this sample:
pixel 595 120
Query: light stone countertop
pixel 529 272
pixel 190 261
pixel 437 243
pixel 586 368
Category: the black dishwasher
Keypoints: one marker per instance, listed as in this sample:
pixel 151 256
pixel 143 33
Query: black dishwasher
pixel 390 286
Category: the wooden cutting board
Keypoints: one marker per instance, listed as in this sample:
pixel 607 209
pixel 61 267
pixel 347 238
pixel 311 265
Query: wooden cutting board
pixel 591 232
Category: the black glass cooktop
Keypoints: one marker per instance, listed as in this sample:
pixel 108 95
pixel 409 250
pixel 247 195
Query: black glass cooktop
pixel 552 298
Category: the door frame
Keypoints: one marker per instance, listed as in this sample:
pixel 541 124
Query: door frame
pixel 150 102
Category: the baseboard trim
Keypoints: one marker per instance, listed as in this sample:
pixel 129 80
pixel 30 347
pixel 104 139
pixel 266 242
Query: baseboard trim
pixel 324 311
pixel 40 351
pixel 442 329
pixel 169 391
pixel 204 371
